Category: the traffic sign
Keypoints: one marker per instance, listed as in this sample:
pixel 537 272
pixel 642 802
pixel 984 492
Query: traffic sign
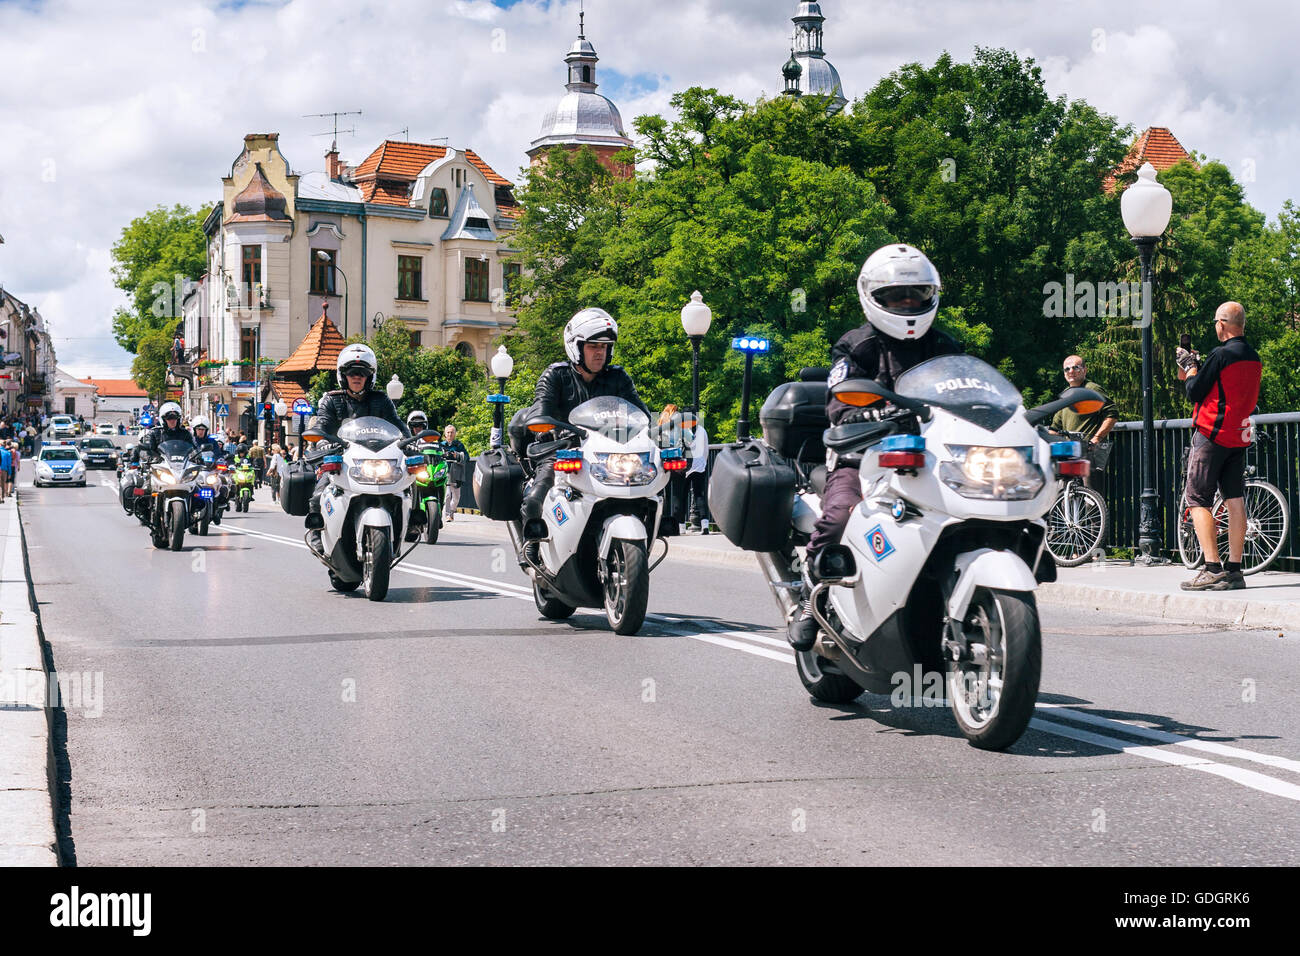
pixel 301 406
pixel 223 409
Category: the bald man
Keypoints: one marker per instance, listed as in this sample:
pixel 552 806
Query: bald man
pixel 1226 392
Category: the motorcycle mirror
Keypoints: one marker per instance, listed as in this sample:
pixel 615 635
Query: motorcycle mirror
pixel 1088 406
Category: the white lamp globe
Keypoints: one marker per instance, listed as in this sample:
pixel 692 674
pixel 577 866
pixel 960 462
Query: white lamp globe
pixel 395 389
pixel 502 363
pixel 696 316
pixel 1146 205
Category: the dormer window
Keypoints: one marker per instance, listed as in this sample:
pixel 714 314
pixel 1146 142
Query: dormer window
pixel 438 203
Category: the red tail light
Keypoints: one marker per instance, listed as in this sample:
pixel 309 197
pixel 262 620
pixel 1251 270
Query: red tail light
pixel 139 492
pixel 330 468
pixel 902 459
pixel 1073 468
pixel 676 464
pixel 568 464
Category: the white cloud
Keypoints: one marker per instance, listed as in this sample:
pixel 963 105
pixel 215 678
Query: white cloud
pixel 107 110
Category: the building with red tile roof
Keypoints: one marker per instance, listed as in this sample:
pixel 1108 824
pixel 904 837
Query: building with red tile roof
pixel 1157 146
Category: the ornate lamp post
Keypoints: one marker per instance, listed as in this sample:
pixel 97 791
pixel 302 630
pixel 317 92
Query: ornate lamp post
pixel 696 318
pixel 324 256
pixel 502 367
pixel 395 388
pixel 281 409
pixel 1146 207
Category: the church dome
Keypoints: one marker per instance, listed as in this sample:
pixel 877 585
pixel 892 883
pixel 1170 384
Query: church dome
pixel 583 117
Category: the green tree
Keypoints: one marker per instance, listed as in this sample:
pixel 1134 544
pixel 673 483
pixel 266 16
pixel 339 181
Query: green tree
pixel 153 256
pixel 149 367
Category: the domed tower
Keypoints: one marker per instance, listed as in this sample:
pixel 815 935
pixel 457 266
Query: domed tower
pixel 819 77
pixel 583 117
pixel 791 72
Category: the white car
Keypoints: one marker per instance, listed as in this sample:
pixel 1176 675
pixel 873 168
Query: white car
pixel 63 426
pixel 105 428
pixel 60 465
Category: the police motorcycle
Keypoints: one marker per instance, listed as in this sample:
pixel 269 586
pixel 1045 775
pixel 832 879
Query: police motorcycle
pixel 364 508
pixel 205 508
pixel 171 478
pixel 932 585
pixel 602 513
pixel 131 486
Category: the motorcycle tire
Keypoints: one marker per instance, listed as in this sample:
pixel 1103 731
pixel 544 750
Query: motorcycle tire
pixel 343 587
pixel 1008 621
pixel 820 683
pixel 176 524
pixel 377 563
pixel 627 586
pixel 435 519
pixel 203 527
pixel 551 608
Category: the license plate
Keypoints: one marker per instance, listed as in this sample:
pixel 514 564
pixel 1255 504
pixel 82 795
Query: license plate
pixel 207 493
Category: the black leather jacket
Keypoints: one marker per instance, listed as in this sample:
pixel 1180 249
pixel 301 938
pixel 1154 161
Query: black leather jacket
pixel 338 406
pixel 210 444
pixel 561 389
pixel 161 433
pixel 866 353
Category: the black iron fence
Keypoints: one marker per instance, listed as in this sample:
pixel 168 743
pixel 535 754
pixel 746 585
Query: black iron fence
pixel 1275 456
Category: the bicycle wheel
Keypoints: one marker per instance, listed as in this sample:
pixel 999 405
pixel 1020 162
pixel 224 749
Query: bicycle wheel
pixel 1267 523
pixel 1076 525
pixel 1189 546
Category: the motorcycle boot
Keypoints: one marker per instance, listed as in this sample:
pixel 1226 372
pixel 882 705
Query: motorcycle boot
pixel 314 523
pixel 802 629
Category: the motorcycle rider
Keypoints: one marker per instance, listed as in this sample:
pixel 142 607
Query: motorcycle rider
pixel 589 339
pixel 899 291
pixel 203 439
pixel 356 368
pixel 170 428
pixel 417 422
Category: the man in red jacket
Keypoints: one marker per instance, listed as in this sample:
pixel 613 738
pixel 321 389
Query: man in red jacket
pixel 1226 391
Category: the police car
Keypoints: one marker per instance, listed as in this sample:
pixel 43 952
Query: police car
pixel 63 426
pixel 60 463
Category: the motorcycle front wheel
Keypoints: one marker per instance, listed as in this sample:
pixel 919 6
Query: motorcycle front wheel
pixel 627 586
pixel 434 514
pixel 993 698
pixel 176 524
pixel 378 562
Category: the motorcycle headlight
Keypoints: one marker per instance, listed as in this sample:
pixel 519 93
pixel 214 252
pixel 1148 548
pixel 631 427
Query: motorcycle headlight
pixel 376 471
pixel 164 475
pixel 1001 474
pixel 623 468
pixel 214 480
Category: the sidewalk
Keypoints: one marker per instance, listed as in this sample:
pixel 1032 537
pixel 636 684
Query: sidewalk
pixel 1271 599
pixel 27 835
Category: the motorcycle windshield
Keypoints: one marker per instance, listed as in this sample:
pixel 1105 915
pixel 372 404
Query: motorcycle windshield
pixel 965 386
pixel 370 432
pixel 176 451
pixel 614 418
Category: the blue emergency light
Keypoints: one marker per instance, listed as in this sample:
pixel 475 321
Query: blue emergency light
pixel 1066 449
pixel 903 443
pixel 746 343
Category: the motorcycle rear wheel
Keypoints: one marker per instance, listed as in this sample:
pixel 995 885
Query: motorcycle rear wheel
pixel 549 606
pixel 378 562
pixel 823 686
pixel 343 587
pixel 993 702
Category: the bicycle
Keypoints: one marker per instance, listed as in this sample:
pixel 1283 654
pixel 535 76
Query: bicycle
pixel 1267 522
pixel 1077 522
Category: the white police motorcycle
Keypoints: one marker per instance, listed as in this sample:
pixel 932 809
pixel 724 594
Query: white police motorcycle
pixel 602 513
pixel 172 476
pixel 364 508
pixel 932 586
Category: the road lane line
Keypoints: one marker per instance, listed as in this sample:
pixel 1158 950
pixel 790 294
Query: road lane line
pixel 1247 778
pixel 1164 737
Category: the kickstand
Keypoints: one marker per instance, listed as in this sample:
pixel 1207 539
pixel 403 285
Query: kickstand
pixel 661 557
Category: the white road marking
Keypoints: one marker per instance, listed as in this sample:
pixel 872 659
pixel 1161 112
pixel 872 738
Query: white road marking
pixel 727 639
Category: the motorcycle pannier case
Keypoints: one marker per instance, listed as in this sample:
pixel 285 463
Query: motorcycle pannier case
pixel 793 419
pixel 296 487
pixel 499 484
pixel 751 496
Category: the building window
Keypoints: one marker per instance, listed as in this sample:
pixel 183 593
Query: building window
pixel 248 347
pixel 322 272
pixel 408 277
pixel 251 274
pixel 415 339
pixel 476 280
pixel 465 349
pixel 510 279
pixel 438 204
pixel 69 405
pixel 586 74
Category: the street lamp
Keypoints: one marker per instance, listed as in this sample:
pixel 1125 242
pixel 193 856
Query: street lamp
pixel 281 409
pixel 696 318
pixel 395 388
pixel 324 256
pixel 502 367
pixel 1146 207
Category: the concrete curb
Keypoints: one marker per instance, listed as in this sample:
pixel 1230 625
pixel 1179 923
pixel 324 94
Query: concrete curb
pixel 27 833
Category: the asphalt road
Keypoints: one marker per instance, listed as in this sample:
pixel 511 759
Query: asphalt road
pixel 250 715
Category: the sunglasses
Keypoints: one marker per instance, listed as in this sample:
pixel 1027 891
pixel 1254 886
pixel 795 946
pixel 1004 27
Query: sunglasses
pixel 1074 368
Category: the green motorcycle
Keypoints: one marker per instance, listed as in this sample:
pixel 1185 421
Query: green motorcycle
pixel 430 489
pixel 244 479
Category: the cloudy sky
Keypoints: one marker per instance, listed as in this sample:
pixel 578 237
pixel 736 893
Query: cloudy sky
pixel 109 109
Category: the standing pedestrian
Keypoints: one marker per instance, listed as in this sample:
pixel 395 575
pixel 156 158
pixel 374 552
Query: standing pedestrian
pixel 275 469
pixel 457 461
pixel 257 454
pixel 697 479
pixel 1226 392
pixel 6 461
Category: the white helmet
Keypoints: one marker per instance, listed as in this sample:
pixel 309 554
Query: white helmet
pixel 200 421
pixel 589 325
pixel 415 416
pixel 357 355
pixel 899 291
pixel 169 408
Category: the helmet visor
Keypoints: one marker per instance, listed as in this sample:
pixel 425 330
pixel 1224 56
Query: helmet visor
pixel 906 299
pixel 357 368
